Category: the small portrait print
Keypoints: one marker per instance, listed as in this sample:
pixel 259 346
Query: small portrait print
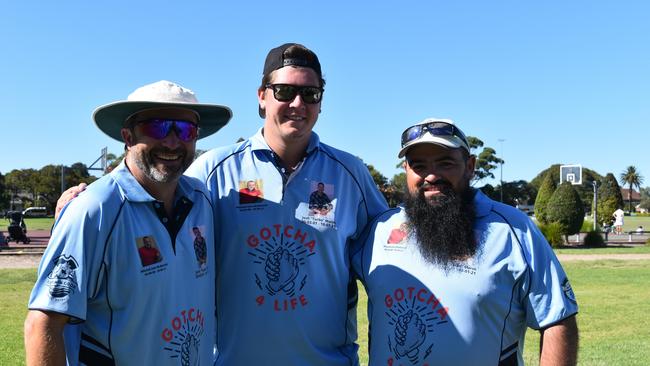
pixel 398 234
pixel 320 202
pixel 148 250
pixel 250 191
pixel 200 247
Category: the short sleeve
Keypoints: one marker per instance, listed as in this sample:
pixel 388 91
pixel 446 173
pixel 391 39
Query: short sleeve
pixel 549 296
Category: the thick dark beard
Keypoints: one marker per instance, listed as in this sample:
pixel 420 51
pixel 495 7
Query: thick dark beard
pixel 444 231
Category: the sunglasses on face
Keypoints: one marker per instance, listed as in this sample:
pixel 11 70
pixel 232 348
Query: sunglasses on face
pixel 435 129
pixel 158 129
pixel 287 93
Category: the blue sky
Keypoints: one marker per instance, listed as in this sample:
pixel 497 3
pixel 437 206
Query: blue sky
pixel 559 81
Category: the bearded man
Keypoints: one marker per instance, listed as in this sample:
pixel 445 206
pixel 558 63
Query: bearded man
pixel 455 278
pixel 128 306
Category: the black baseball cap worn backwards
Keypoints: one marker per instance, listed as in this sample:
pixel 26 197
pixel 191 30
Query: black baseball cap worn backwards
pixel 275 60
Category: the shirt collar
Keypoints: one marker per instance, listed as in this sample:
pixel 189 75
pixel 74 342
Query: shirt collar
pixel 482 203
pixel 135 192
pixel 259 143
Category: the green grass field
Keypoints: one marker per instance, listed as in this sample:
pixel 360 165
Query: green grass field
pixel 44 223
pixel 15 286
pixel 630 223
pixel 613 296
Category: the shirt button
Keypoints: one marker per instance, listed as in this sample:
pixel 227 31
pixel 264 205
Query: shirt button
pixel 164 219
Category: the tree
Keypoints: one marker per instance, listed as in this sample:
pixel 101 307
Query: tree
pixel 645 198
pixel 113 161
pixel 644 192
pixel 395 190
pixel 632 178
pixel 486 160
pixel 379 179
pixel 22 185
pixel 565 208
pixel 544 194
pixel 585 190
pixel 609 197
pixel 515 193
pixel 4 194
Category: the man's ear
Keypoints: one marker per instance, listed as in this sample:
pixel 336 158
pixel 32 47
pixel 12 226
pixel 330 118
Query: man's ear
pixel 261 98
pixel 470 166
pixel 127 136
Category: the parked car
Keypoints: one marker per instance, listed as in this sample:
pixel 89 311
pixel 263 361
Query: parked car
pixel 35 212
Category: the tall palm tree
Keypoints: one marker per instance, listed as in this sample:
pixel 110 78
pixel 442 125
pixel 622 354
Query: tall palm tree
pixel 633 178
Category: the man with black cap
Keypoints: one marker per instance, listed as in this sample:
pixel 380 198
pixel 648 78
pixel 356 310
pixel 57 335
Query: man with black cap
pixel 285 295
pixel 454 278
pixel 131 310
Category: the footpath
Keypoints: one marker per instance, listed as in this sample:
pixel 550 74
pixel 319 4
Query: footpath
pixel 19 255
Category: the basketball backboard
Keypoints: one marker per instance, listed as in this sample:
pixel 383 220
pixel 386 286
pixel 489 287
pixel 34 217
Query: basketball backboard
pixel 571 173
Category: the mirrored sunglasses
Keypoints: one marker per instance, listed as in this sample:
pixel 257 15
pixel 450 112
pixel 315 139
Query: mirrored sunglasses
pixel 434 128
pixel 158 129
pixel 287 93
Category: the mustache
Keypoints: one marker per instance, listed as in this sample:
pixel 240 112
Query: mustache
pixel 164 150
pixel 441 184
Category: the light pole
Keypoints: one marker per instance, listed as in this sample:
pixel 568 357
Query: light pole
pixel 501 167
pixel 595 184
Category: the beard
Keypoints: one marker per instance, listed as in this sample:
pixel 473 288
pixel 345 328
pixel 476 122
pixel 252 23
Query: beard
pixel 144 160
pixel 444 231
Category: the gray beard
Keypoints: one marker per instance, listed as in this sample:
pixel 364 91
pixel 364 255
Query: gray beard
pixel 144 162
pixel 444 232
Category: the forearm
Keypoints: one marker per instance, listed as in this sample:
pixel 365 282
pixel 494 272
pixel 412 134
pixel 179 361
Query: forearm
pixel 44 343
pixel 559 344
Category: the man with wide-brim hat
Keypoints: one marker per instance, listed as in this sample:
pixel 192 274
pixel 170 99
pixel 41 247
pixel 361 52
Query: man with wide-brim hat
pixel 129 310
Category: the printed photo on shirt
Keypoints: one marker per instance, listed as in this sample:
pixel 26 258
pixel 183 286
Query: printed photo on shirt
pixel 396 241
pixel 398 234
pixel 200 246
pixel 250 191
pixel 319 209
pixel 148 250
pixel 320 201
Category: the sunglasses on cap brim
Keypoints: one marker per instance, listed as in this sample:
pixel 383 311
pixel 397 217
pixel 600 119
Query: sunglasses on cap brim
pixel 287 93
pixel 158 128
pixel 441 129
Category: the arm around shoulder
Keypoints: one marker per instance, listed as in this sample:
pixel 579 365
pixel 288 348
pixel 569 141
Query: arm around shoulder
pixel 44 338
pixel 559 343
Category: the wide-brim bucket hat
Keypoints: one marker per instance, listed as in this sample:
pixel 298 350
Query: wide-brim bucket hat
pixel 112 117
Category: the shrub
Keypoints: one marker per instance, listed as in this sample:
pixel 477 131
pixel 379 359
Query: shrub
pixel 587 226
pixel 553 234
pixel 594 239
pixel 609 197
pixel 543 196
pixel 565 208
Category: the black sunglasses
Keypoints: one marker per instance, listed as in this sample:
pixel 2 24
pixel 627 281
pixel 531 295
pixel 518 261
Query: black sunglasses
pixel 434 128
pixel 287 93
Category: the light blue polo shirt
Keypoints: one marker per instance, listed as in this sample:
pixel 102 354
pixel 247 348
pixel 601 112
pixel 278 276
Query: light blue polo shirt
pixel 134 306
pixel 284 289
pixel 474 314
